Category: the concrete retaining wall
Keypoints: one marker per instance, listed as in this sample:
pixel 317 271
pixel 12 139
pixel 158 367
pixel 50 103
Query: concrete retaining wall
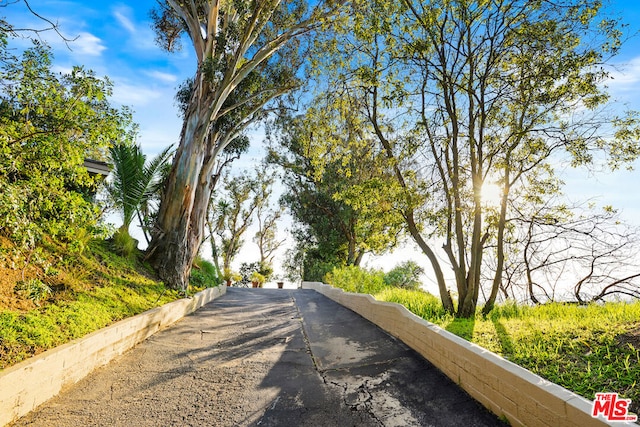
pixel 503 387
pixel 32 382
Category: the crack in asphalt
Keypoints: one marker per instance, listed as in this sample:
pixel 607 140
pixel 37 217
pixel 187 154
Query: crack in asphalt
pixel 366 405
pixel 311 364
pixel 305 337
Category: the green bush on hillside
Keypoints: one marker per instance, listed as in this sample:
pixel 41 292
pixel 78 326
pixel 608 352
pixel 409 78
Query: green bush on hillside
pixel 204 274
pixel 49 124
pixel 124 245
pixel 405 275
pixel 356 279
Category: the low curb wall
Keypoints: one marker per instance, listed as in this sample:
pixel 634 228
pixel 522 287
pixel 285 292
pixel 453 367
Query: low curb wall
pixel 506 389
pixel 32 382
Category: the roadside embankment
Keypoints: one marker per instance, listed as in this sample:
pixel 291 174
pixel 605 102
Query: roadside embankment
pixel 30 383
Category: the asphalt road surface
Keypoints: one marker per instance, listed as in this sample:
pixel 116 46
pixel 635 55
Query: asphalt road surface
pixel 266 357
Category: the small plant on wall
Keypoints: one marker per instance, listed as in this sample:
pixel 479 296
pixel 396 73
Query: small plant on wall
pixel 229 276
pixel 257 279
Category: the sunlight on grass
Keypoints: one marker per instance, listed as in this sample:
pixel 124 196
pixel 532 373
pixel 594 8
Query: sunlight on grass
pixel 577 347
pixel 111 288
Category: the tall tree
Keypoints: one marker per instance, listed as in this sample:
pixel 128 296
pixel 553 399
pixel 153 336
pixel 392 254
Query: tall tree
pixel 491 91
pixel 267 219
pixel 246 56
pixel 500 88
pixel 233 213
pixel 367 76
pixel 231 153
pixel 340 201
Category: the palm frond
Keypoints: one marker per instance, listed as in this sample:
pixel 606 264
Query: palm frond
pixel 134 180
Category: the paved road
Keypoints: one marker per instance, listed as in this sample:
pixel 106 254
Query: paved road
pixel 266 357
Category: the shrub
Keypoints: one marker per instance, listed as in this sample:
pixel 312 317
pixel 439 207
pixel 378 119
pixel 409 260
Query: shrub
pixel 266 270
pixel 49 123
pixel 316 271
pixel 124 244
pixel 35 206
pixel 34 290
pixel 246 269
pixel 209 269
pixel 204 274
pixel 356 279
pixel 316 265
pixel 258 278
pixel 405 275
pixel 230 276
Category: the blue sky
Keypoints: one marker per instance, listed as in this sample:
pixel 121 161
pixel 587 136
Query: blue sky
pixel 115 39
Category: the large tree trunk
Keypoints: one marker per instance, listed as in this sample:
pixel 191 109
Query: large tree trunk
pixel 180 226
pixel 469 300
pixel 231 41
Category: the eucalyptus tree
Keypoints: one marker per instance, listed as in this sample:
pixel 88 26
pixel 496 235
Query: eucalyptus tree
pixel 231 153
pixel 266 237
pixel 233 214
pixel 247 54
pixel 487 92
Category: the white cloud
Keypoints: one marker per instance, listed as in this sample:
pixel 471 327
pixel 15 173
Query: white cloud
pixel 624 84
pixel 627 73
pixel 141 36
pixel 122 15
pixel 87 44
pixel 163 77
pixel 136 96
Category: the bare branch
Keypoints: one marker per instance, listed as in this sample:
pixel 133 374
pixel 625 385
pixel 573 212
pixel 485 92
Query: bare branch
pixel 53 26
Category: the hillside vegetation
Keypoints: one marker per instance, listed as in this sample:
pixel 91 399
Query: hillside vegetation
pixel 51 296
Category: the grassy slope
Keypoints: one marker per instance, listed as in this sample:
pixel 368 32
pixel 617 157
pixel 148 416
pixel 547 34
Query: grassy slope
pixel 89 291
pixel 584 349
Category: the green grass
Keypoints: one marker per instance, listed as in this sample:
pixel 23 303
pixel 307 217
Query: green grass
pixel 95 290
pixel 580 348
pixel 418 302
pixel 356 279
